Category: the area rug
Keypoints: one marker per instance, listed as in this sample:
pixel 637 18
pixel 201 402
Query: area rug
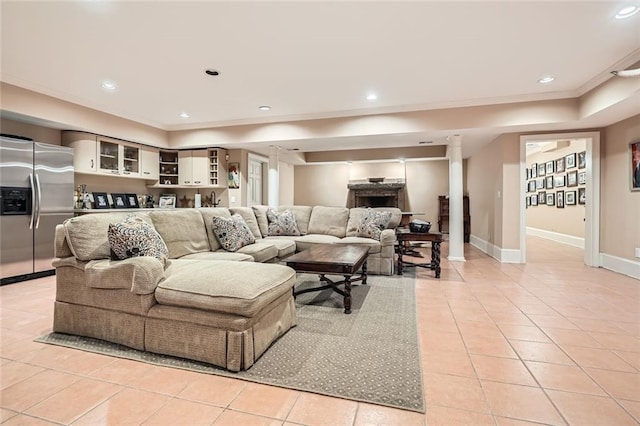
pixel 371 355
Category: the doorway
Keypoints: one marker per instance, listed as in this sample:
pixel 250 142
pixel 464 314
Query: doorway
pixel 591 191
pixel 256 179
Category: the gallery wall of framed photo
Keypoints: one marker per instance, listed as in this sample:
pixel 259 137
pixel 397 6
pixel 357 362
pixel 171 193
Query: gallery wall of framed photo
pixel 555 192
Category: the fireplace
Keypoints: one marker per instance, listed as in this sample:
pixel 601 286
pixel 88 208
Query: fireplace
pixel 383 194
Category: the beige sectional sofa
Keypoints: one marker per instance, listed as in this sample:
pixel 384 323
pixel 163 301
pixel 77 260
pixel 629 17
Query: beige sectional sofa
pixel 204 303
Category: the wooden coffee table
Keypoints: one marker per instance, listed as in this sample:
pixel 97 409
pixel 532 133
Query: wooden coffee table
pixel 332 259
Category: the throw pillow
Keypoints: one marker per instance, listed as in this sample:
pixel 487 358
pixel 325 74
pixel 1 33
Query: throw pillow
pixel 282 223
pixel 232 233
pixel 134 237
pixel 372 223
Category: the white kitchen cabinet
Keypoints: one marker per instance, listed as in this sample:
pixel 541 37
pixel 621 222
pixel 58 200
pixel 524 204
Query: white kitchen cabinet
pixel 118 158
pixel 149 160
pixel 84 151
pixel 193 167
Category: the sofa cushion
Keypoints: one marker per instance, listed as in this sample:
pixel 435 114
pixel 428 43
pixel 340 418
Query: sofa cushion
pixel 285 245
pixel 306 241
pixel 374 245
pixel 249 218
pixel 260 213
pixel 372 223
pixel 355 215
pixel 208 213
pixel 282 223
pixel 239 288
pixel 232 233
pixel 182 230
pixel 329 221
pixel 134 237
pixel 260 251
pixel 302 214
pixel 218 255
pixel 86 235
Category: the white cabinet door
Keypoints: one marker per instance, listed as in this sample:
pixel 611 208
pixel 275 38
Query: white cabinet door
pixel 84 151
pixel 185 168
pixel 200 167
pixel 149 160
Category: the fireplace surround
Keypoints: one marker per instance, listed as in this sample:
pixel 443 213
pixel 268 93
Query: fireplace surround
pixel 382 194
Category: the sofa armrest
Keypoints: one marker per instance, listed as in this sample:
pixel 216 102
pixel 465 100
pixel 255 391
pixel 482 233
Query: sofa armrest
pixel 71 261
pixel 387 237
pixel 139 274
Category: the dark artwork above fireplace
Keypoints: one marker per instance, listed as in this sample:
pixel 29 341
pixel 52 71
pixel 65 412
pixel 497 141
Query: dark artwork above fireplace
pixel 376 195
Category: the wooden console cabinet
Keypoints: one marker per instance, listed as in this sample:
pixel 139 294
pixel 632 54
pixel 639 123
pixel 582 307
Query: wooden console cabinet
pixel 443 216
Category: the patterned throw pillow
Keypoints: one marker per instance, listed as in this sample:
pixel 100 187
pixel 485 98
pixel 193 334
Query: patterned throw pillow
pixel 282 223
pixel 372 223
pixel 233 233
pixel 134 237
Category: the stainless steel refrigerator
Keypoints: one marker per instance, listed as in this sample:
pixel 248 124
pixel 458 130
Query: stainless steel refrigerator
pixel 36 194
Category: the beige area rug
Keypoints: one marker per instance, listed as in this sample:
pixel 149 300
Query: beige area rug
pixel 371 355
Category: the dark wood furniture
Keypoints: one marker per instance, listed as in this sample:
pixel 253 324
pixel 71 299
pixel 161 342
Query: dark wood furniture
pixel 443 216
pixel 405 236
pixel 332 259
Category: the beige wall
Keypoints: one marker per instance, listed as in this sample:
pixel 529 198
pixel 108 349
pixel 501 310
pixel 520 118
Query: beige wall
pixel 286 172
pixel 321 184
pixel 426 180
pixel 37 133
pixel 566 221
pixel 619 206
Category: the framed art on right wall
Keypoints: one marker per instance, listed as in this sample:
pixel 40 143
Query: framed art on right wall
pixel 634 150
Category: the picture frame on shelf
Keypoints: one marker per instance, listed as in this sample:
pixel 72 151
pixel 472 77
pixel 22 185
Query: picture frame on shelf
pixel 551 198
pixel 570 161
pixel 542 198
pixel 560 199
pixel 119 201
pixel 167 201
pixel 582 178
pixel 582 159
pixel 132 201
pixel 549 182
pixel 542 170
pixel 572 178
pixel 559 181
pixel 570 198
pixel 634 152
pixel 549 167
pixel 560 165
pixel 100 200
pixel 582 195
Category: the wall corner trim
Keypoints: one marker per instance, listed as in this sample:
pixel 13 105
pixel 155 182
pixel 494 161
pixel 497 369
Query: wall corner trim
pixel 557 237
pixel 500 254
pixel 620 265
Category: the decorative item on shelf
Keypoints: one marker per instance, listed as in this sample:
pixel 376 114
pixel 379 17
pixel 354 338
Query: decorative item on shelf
pixel 185 202
pixel 150 201
pixel 206 201
pixel 375 179
pixel 197 201
pixel 132 201
pixel 119 201
pixel 100 200
pixel 167 201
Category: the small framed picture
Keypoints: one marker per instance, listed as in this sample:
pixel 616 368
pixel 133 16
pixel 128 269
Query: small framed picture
pixel 548 182
pixel 570 161
pixel 559 181
pixel 542 170
pixel 582 159
pixel 532 186
pixel 167 201
pixel 634 150
pixel 534 200
pixel 572 178
pixel 527 172
pixel 534 170
pixel 570 198
pixel 119 201
pixel 539 183
pixel 560 165
pixel 132 201
pixel 551 199
pixel 582 195
pixel 542 198
pixel 100 200
pixel 582 178
pixel 549 167
pixel 528 200
pixel 560 199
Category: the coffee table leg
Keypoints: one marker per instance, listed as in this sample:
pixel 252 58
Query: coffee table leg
pixel 435 257
pixel 347 294
pixel 364 272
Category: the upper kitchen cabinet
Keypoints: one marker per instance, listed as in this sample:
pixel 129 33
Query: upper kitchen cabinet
pixel 217 168
pixel 149 159
pixel 84 150
pixel 193 167
pixel 118 158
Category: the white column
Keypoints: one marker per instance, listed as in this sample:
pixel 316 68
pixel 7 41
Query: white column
pixel 274 177
pixel 456 220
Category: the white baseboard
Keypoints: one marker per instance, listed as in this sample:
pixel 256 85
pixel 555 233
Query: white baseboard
pixel 554 236
pixel 500 254
pixel 620 265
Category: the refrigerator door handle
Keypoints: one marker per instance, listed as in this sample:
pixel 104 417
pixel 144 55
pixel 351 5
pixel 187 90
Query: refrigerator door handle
pixel 39 200
pixel 33 201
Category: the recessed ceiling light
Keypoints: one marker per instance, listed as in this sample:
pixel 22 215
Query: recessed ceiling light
pixel 372 97
pixel 184 115
pixel 211 71
pixel 627 12
pixel 546 79
pixel 108 86
pixel 264 107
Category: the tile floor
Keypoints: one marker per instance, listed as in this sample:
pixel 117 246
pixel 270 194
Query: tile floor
pixel 549 342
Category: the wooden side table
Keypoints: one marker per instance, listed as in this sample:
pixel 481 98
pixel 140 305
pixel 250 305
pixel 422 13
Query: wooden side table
pixel 404 235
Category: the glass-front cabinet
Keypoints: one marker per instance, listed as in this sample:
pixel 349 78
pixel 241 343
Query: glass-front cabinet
pixel 117 157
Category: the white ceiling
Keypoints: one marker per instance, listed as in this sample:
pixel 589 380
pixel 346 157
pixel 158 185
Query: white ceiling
pixel 312 59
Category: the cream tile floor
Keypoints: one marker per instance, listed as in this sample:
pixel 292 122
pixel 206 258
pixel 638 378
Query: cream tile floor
pixel 549 342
